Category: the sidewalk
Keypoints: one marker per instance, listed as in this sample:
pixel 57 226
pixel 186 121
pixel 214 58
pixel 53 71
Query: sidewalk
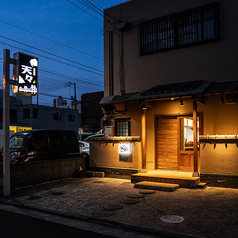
pixel 210 212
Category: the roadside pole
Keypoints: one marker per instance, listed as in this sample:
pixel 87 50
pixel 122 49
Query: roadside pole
pixel 6 122
pixel 25 67
pixel 6 119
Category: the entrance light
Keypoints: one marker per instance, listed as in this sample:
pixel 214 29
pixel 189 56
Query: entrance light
pixel 181 103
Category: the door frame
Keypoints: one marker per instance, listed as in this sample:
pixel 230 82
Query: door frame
pixel 178 116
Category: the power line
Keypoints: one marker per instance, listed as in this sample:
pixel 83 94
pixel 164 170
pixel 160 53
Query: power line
pixel 90 7
pixel 97 10
pixel 49 39
pixel 55 56
pixel 101 10
pixel 67 76
pixel 97 4
pixel 84 11
pixel 70 77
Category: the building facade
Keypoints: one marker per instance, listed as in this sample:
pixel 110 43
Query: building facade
pixel 171 79
pixel 24 115
pixel 45 117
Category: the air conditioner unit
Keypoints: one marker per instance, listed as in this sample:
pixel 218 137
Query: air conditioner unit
pixel 108 131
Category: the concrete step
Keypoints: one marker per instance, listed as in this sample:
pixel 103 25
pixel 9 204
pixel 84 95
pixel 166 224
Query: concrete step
pixel 157 186
pixel 95 174
pixel 202 185
pixel 171 178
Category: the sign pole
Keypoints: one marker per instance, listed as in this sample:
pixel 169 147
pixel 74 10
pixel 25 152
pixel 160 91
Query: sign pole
pixel 6 122
pixel 25 81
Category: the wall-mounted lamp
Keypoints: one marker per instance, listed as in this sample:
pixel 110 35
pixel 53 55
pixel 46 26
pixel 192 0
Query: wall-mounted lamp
pixel 144 107
pixel 181 103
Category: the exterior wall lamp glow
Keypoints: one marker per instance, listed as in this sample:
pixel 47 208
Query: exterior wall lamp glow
pixel 144 107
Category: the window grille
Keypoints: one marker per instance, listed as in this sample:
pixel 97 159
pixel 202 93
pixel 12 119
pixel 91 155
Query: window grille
pixel 122 127
pixel 182 29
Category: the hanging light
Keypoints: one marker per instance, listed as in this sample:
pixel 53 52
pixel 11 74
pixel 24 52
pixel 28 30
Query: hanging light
pixel 181 103
pixel 144 107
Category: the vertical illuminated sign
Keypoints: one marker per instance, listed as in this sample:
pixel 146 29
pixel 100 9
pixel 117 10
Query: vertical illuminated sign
pixel 26 73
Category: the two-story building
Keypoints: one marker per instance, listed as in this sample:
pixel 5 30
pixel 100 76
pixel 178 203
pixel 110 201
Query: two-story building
pixel 25 115
pixel 171 81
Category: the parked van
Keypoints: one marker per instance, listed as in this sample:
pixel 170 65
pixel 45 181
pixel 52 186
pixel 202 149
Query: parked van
pixel 36 145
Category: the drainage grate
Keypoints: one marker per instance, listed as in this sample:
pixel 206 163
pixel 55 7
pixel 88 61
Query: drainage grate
pixel 172 219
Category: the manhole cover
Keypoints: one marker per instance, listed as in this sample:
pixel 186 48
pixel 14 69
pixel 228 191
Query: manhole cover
pixel 172 219
pixel 147 191
pixel 57 193
pixel 129 201
pixel 112 207
pixel 135 196
pixel 102 214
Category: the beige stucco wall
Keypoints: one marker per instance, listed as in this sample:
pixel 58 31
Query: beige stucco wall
pixel 215 61
pixel 219 118
pixel 105 154
pixel 219 159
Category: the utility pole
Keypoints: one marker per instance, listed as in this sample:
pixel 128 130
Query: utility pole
pixel 75 99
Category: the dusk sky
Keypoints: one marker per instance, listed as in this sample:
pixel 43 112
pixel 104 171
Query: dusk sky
pixel 67 41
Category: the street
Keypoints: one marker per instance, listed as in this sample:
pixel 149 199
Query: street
pixel 17 222
pixel 17 226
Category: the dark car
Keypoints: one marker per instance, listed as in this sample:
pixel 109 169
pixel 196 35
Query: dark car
pixel 36 145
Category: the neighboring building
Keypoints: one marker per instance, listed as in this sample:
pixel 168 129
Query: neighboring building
pixel 38 116
pixel 171 79
pixel 14 102
pixel 45 117
pixel 91 112
pixel 63 103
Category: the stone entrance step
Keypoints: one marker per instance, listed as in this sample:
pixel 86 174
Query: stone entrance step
pixel 184 180
pixel 202 185
pixel 157 186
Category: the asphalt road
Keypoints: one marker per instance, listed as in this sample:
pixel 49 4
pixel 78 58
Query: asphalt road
pixel 17 222
pixel 14 225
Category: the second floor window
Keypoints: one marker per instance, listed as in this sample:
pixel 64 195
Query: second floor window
pixel 35 113
pixel 123 127
pixel 195 26
pixel 26 113
pixel 71 117
pixel 57 116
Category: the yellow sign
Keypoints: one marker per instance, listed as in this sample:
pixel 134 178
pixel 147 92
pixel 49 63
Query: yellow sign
pixel 19 128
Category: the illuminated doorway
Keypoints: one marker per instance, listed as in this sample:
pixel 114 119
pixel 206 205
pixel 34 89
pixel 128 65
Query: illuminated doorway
pixel 174 142
pixel 186 143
